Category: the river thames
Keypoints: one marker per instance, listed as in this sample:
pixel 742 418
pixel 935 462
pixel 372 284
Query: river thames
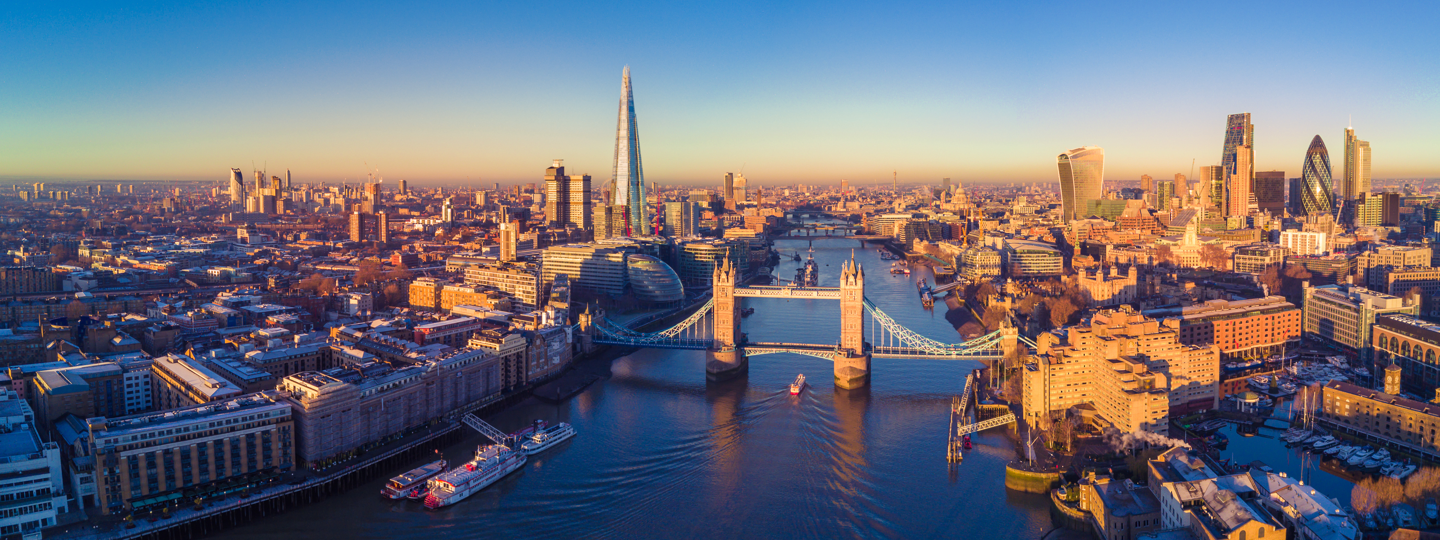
pixel 661 453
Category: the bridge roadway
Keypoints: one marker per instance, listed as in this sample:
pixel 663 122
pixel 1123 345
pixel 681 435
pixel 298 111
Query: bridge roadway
pixel 816 350
pixel 770 291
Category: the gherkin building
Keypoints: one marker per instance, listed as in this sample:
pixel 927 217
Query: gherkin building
pixel 1315 189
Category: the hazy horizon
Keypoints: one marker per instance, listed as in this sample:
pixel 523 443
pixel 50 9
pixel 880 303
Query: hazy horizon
pixel 792 93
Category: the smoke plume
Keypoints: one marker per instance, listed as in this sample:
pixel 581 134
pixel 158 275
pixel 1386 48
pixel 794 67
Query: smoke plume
pixel 1139 439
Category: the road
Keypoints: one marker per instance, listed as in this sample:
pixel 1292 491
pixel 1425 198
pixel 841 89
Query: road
pixel 129 292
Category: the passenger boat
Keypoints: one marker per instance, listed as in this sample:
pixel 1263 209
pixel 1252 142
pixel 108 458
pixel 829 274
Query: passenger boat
pixel 1379 459
pixel 1325 443
pixel 747 312
pixel 546 438
pixel 1295 435
pixel 1341 452
pixel 797 386
pixel 1208 426
pixel 1359 456
pixel 492 462
pixel 408 484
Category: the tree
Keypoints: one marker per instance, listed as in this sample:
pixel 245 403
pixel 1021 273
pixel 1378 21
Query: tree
pixel 369 271
pixel 1389 491
pixel 1297 272
pixel 63 254
pixel 1015 358
pixel 1362 498
pixel 390 296
pixel 318 284
pixel 1012 388
pixel 984 292
pixel 1026 306
pixel 994 315
pixel 76 310
pixel 1423 484
pixel 1214 257
pixel 1271 279
pixel 1060 311
pixel 1164 255
pixel 1291 281
pixel 1063 430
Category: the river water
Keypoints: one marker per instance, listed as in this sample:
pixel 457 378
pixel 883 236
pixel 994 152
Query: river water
pixel 663 454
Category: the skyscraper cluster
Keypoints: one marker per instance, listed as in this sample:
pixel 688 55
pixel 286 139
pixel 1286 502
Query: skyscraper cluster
pixel 1234 189
pixel 265 196
pixel 567 197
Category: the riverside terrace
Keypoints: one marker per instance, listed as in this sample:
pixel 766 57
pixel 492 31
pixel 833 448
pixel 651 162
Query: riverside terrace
pixel 195 452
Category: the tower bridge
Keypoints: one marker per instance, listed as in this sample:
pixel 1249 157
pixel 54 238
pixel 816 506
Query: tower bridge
pixel 715 328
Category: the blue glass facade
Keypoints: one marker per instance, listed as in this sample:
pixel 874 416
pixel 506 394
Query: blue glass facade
pixel 652 280
pixel 628 176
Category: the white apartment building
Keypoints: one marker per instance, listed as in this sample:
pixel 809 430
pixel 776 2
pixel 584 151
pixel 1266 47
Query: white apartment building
pixel 138 396
pixel 1304 242
pixel 32 481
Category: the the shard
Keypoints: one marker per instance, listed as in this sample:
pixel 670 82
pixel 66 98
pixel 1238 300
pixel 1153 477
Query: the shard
pixel 628 177
pixel 1315 186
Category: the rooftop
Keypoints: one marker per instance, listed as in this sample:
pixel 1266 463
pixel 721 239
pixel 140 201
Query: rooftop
pixel 21 441
pixel 1123 498
pixel 1411 326
pixel 445 325
pixel 197 377
pixel 1360 391
pixel 102 427
pixel 1222 309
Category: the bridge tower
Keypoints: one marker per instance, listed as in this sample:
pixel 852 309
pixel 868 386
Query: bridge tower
pixel 852 360
pixel 725 358
pixel 1009 337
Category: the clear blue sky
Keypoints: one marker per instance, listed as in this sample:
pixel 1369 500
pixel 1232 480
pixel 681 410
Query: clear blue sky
pixel 807 92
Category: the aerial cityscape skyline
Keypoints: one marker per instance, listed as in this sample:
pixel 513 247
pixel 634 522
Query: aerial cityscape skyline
pixel 789 102
pixel 342 270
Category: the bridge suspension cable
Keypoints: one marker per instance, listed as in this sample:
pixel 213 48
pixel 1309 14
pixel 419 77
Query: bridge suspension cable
pixel 895 336
pixel 692 332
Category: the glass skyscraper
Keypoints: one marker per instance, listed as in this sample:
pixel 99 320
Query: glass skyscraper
pixel 1239 132
pixel 628 177
pixel 1082 178
pixel 1315 184
pixel 1357 167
